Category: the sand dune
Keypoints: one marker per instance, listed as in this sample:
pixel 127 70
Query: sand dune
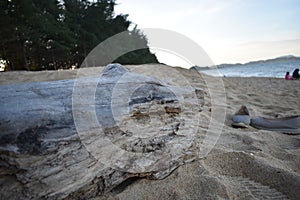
pixel 244 164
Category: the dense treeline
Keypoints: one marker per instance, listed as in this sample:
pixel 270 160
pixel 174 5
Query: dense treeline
pixel 53 34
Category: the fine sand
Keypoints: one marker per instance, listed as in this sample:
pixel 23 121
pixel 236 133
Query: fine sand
pixel 244 164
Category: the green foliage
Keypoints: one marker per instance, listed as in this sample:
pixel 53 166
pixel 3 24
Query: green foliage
pixel 52 34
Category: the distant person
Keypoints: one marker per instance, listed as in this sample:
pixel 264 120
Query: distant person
pixel 296 74
pixel 288 76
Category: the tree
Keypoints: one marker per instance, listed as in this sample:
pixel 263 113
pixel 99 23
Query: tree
pixel 54 34
pixel 53 41
pixel 15 17
pixel 134 57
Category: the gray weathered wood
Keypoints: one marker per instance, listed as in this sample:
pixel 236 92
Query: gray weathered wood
pixel 80 138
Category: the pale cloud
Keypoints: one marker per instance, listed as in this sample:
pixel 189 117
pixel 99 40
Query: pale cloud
pixel 250 51
pixel 226 29
pixel 236 53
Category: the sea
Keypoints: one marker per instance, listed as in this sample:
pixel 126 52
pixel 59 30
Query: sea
pixel 268 69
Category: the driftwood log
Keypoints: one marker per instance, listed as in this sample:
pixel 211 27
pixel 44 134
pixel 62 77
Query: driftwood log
pixel 80 138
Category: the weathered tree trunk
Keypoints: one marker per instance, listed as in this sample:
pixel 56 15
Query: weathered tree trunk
pixel 25 57
pixel 81 138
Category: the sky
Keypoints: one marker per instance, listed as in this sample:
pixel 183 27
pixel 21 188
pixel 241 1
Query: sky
pixel 229 31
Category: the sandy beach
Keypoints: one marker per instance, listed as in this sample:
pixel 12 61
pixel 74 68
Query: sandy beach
pixel 244 164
